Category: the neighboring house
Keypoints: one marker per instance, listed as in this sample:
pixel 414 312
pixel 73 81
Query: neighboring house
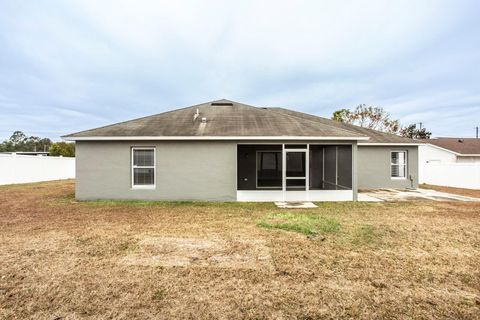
pixel 447 150
pixel 27 153
pixel 229 151
pixel 453 162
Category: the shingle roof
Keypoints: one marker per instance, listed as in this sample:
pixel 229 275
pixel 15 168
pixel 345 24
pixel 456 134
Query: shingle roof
pixel 459 145
pixel 374 135
pixel 225 118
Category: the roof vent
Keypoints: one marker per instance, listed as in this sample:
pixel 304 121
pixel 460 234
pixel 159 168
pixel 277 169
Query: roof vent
pixel 460 140
pixel 204 120
pixel 221 103
pixel 195 116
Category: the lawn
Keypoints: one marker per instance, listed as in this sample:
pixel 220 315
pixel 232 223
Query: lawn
pixel 62 259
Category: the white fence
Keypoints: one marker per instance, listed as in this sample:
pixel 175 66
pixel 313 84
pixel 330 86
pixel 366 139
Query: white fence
pixel 459 175
pixel 24 169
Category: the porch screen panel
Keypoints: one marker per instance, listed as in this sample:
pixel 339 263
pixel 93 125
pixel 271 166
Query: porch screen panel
pixel 344 169
pixel 316 167
pixel 269 169
pixel 330 168
pixel 248 165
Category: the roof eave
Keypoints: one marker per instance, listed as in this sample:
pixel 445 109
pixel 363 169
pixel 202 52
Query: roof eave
pixel 390 144
pixel 130 138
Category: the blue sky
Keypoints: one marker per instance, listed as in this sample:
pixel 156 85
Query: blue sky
pixel 67 66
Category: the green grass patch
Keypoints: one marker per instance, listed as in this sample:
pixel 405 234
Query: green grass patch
pixel 307 224
pixel 366 235
pixel 158 295
pixel 152 203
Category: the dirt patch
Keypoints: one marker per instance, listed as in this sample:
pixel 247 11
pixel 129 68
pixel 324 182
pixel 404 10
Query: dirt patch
pixel 218 253
pixel 460 191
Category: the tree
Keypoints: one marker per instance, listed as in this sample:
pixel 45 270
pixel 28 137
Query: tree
pixel 370 117
pixel 342 115
pixel 20 142
pixel 412 132
pixel 18 138
pixel 62 149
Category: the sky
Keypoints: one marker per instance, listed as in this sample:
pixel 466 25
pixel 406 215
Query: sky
pixel 67 66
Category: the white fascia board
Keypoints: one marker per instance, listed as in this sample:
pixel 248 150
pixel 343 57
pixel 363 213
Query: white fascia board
pixel 390 144
pixel 139 138
pixel 447 150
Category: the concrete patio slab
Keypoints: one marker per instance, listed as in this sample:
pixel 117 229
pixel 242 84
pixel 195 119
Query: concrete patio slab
pixel 295 204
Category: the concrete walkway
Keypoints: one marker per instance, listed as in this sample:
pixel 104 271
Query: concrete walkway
pixel 407 194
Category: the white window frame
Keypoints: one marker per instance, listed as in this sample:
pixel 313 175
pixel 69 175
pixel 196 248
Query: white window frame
pixel 154 167
pixel 405 164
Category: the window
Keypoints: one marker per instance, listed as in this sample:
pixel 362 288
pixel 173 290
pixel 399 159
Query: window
pixel 269 169
pixel 398 164
pixel 143 167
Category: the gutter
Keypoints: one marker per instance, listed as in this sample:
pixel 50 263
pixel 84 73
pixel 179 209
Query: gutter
pixel 210 138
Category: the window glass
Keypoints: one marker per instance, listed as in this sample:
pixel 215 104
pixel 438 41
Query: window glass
pixel 398 164
pixel 143 158
pixel 142 176
pixel 143 162
pixel 269 160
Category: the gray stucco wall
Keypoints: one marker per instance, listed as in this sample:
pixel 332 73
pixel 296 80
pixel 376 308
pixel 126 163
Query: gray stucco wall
pixel 374 167
pixel 201 170
pixel 184 170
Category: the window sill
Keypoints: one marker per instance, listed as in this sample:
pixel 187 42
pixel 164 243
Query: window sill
pixel 398 178
pixel 143 188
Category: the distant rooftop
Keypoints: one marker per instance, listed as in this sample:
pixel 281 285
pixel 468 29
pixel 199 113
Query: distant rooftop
pixel 463 146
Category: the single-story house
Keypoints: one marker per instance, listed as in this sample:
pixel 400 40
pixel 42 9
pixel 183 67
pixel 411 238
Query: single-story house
pixel 451 162
pixel 448 150
pixel 229 151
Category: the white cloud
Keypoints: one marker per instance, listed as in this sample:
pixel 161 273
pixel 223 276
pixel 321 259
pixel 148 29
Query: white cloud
pixel 120 59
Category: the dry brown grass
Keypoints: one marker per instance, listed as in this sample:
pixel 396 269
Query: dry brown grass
pixel 463 192
pixel 61 258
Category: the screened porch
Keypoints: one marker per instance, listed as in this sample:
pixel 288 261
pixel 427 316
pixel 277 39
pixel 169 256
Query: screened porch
pixel 279 172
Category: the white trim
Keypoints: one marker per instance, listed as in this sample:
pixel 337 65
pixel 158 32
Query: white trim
pixel 307 171
pixel 154 167
pixel 405 164
pixel 278 195
pixel 284 173
pixel 304 151
pixel 140 138
pixel 390 144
